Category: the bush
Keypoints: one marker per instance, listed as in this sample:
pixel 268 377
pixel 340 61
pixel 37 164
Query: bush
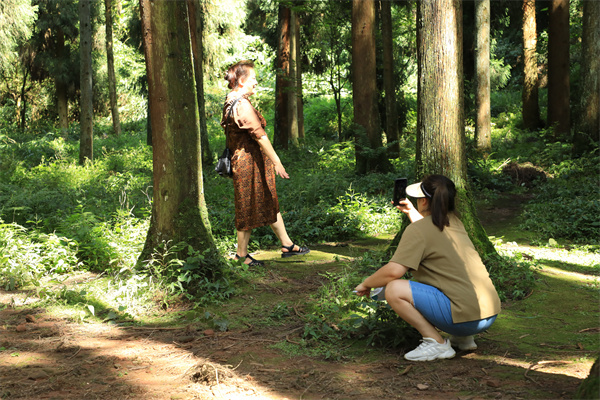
pixel 568 205
pixel 26 257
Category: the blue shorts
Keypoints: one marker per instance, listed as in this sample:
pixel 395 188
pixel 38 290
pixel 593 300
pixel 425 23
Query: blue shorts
pixel 435 307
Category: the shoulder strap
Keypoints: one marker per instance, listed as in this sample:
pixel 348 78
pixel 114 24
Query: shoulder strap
pixel 230 113
pixel 233 105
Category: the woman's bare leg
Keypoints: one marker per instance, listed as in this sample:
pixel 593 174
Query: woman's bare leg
pixel 281 233
pixel 243 238
pixel 399 297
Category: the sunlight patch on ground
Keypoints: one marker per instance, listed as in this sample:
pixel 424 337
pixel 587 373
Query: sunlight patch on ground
pixel 579 369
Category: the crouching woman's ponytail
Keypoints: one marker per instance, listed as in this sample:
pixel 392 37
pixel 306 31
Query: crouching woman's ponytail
pixel 440 191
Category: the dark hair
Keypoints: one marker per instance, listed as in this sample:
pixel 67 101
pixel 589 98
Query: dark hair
pixel 440 191
pixel 237 71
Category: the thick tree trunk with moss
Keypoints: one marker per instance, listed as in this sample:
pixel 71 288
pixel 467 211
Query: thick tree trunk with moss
pixel 587 124
pixel 196 22
pixel 590 387
pixel 531 107
pixel 86 140
pixel 483 123
pixel 179 211
pixel 370 155
pixel 440 114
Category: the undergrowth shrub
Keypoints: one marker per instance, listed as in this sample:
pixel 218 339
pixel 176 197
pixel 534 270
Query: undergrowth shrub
pixel 335 313
pixel 567 206
pixel 106 245
pixel 26 257
pixel 203 277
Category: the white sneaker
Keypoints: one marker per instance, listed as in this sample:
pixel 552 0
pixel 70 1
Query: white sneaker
pixel 430 350
pixel 463 342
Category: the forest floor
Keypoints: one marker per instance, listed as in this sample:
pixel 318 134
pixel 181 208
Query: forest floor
pixel 539 348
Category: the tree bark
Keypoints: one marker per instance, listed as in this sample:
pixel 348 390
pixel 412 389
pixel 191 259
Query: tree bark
pixel 196 22
pixel 364 89
pixel 23 99
pixel 483 124
pixel 86 140
pixel 389 80
pixel 587 128
pixel 62 99
pixel 531 108
pixel 292 95
pixel 179 213
pixel 558 68
pixel 282 80
pixel 300 101
pixel 440 113
pixel 110 65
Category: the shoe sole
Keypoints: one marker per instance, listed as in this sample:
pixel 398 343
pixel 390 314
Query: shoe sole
pixel 444 356
pixel 471 348
pixel 293 253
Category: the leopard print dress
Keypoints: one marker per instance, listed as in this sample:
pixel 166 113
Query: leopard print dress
pixel 256 202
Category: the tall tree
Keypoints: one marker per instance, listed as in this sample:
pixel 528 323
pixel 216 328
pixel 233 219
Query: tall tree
pixel 531 108
pixel 332 32
pixel 389 79
pixel 110 66
pixel 196 22
pixel 55 30
pixel 299 95
pixel 370 155
pixel 483 123
pixel 440 110
pixel 558 68
pixel 587 125
pixel 282 80
pixel 292 95
pixel 86 114
pixel 179 213
pixel 16 17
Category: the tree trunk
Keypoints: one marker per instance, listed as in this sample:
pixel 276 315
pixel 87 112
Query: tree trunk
pixel 145 13
pixel 23 98
pixel 86 140
pixel 587 130
pixel 282 80
pixel 62 99
pixel 292 95
pixel 369 152
pixel 440 120
pixel 299 80
pixel 110 65
pixel 531 108
pixel 179 213
pixel 558 68
pixel 196 22
pixel 389 80
pixel 483 125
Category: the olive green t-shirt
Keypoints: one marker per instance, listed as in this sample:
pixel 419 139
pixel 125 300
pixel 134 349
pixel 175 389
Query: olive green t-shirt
pixel 448 261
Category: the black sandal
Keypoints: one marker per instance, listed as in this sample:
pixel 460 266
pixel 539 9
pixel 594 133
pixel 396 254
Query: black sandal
pixel 290 252
pixel 253 263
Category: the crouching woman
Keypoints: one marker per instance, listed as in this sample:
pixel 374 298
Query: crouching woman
pixel 451 289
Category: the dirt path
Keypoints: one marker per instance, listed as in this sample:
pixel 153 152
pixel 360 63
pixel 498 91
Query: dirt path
pixel 539 348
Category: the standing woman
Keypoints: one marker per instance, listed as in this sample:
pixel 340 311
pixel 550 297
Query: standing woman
pixel 254 164
pixel 451 289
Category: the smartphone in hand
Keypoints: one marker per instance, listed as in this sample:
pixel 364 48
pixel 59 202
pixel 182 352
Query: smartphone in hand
pixel 399 190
